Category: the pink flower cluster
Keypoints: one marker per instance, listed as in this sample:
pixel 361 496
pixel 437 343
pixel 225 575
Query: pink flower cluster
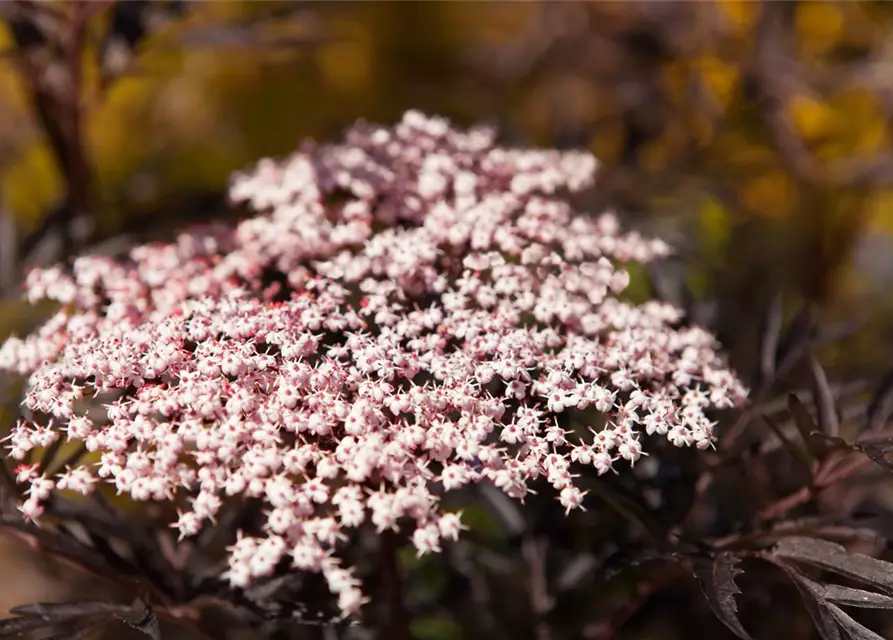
pixel 410 311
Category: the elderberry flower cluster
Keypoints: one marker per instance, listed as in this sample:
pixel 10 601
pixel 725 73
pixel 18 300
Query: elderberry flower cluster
pixel 410 311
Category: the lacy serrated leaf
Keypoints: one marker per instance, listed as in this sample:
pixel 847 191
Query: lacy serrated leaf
pixel 833 557
pixel 852 629
pixel 849 597
pixel 822 600
pixel 716 576
pixel 824 621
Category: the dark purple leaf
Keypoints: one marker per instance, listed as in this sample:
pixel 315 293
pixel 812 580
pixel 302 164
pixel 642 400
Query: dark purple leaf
pixel 716 577
pixel 805 425
pixel 621 561
pixel 850 627
pixel 796 338
pixel 824 621
pixel 7 481
pixel 59 545
pixel 16 627
pixel 797 453
pixel 627 507
pixel 141 617
pixel 75 618
pixel 824 400
pixel 78 618
pixel 575 572
pixel 881 407
pixel 103 524
pixel 837 332
pixel 822 600
pixel 877 449
pixel 830 556
pixel 79 633
pixel 838 528
pixel 770 337
pixel 66 610
pixel 849 597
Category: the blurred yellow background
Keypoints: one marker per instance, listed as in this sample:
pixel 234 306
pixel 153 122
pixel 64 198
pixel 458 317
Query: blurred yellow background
pixel 673 99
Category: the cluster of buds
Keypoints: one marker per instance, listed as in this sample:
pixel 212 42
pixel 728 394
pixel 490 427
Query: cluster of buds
pixel 410 311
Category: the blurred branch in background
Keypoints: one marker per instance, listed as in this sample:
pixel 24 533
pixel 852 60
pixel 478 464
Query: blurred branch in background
pixel 777 77
pixel 48 53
